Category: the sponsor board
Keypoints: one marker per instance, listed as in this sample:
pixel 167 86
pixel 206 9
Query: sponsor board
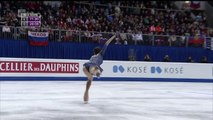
pixel 39 67
pixel 158 70
pixel 28 67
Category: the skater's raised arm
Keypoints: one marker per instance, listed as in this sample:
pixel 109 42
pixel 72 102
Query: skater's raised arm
pixel 106 45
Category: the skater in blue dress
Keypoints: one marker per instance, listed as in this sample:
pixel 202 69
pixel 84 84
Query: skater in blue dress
pixel 93 68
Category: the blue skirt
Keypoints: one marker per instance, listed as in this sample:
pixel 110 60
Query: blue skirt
pixel 87 65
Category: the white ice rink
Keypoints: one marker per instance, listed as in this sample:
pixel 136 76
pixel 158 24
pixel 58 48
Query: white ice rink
pixel 63 100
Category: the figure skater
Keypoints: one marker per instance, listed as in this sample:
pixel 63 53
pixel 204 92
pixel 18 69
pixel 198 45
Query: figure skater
pixel 92 68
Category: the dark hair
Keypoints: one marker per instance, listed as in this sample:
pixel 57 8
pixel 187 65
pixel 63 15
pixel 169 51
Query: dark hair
pixel 96 50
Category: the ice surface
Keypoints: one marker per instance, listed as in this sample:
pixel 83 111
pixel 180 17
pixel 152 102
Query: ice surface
pixel 63 100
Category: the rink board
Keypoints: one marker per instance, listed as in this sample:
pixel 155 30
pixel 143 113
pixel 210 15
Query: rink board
pixel 71 69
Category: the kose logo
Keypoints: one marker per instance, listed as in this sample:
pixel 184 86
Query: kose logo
pixel 118 68
pixel 156 69
pixel 130 69
pixel 167 70
pixel 137 69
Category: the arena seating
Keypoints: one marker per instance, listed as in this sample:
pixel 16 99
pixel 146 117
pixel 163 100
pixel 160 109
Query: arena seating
pixel 109 17
pixel 149 23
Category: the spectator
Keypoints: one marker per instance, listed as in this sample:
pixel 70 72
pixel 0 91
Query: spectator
pixel 137 37
pixel 6 28
pixel 125 42
pixel 158 28
pixel 204 59
pixel 6 31
pixel 189 59
pixel 117 41
pixel 123 36
pixel 147 58
pixel 172 40
pixel 102 40
pixel 166 58
pixel 182 40
pixel 152 28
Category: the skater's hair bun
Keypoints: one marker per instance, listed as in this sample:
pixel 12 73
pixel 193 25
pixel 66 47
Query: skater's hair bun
pixel 96 50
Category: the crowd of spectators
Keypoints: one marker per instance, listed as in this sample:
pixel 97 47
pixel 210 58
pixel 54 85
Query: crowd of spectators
pixel 158 19
pixel 136 21
pixel 132 17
